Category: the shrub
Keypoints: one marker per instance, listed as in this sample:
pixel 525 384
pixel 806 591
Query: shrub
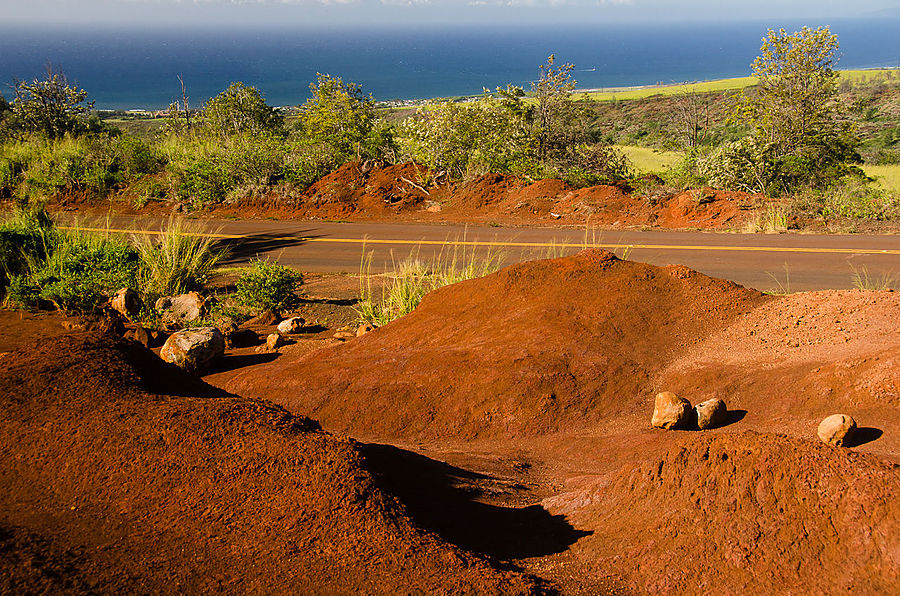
pixel 83 271
pixel 268 286
pixel 25 237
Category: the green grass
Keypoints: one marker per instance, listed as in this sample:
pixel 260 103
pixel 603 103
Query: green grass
pixel 646 160
pixel 411 279
pixel 623 93
pixel 888 176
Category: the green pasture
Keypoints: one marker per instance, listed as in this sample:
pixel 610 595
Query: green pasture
pixel 623 93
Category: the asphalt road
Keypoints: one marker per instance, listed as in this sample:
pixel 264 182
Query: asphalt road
pixel 779 262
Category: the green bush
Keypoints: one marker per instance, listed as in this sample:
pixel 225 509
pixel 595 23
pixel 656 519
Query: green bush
pixel 268 286
pixel 83 271
pixel 25 237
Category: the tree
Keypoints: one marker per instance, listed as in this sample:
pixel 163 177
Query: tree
pixel 553 115
pixel 690 118
pixel 241 109
pixel 338 115
pixel 50 106
pixel 796 121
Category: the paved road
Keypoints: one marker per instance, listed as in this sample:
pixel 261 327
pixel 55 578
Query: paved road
pixel 792 262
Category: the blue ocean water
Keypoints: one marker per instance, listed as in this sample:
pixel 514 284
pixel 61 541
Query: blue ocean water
pixel 138 68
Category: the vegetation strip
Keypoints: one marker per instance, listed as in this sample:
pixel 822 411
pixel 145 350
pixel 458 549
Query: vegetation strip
pixel 497 243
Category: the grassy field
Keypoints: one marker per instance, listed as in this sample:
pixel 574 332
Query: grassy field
pixel 887 176
pixel 622 93
pixel 649 161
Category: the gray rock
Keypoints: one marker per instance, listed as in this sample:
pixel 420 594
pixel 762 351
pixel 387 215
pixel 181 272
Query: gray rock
pixel 291 325
pixel 671 411
pixel 194 349
pixel 183 308
pixel 711 413
pixel 836 430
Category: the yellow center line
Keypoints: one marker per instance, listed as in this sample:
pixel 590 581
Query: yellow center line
pixel 515 244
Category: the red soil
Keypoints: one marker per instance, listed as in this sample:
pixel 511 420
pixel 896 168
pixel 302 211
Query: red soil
pixel 121 475
pixel 744 513
pixel 408 192
pixel 516 410
pixel 554 364
pixel 536 360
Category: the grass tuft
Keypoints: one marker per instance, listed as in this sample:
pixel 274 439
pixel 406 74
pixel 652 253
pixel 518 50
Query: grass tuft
pixel 178 261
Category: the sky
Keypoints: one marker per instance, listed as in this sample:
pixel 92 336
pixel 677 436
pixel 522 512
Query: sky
pixel 192 13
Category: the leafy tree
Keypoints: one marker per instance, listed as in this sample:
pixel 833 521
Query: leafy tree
pixel 799 129
pixel 339 116
pixel 50 106
pixel 465 139
pixel 241 109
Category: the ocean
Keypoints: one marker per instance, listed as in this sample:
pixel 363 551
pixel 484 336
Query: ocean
pixel 138 68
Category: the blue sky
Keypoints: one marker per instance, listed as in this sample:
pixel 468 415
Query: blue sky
pixel 363 12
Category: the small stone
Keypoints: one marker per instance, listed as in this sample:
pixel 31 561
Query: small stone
pixel 837 429
pixel 274 341
pixel 711 413
pixel 193 349
pixel 670 411
pixel 344 335
pixel 127 302
pixel 140 335
pixel 291 325
pixel 363 329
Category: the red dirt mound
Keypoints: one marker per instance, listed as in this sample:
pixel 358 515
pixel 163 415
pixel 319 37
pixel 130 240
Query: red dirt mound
pixel 357 189
pixel 539 347
pixel 745 513
pixel 105 487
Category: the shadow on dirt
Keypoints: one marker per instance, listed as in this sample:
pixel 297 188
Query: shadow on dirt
pixel 234 361
pixel 257 245
pixel 440 497
pixel 863 435
pixel 733 417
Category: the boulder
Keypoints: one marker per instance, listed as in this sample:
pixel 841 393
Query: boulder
pixel 274 341
pixel 183 308
pixel 127 302
pixel 711 413
pixel 837 429
pixel 671 411
pixel 193 349
pixel 291 325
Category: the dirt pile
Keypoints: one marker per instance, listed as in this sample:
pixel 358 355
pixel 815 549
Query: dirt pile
pixel 109 482
pixel 798 358
pixel 747 512
pixel 539 347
